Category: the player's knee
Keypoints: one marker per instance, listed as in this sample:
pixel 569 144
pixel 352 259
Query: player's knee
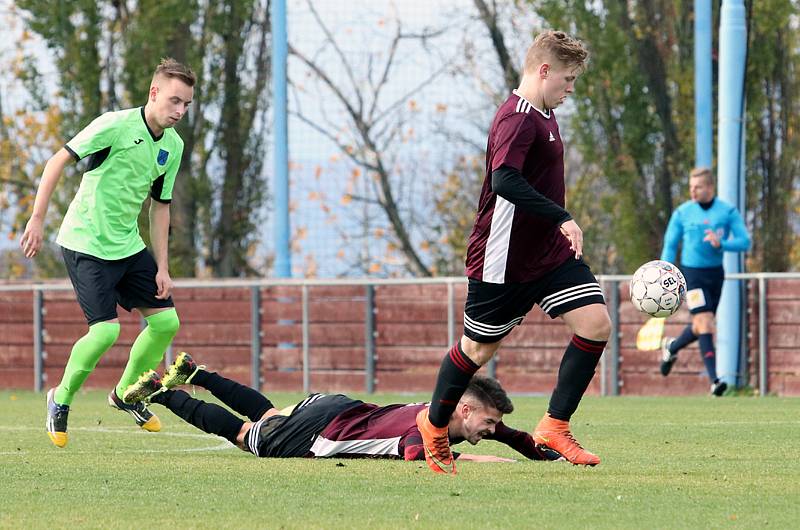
pixel 596 325
pixel 164 322
pixel 702 323
pixel 240 437
pixel 105 334
pixel 603 326
pixel 479 352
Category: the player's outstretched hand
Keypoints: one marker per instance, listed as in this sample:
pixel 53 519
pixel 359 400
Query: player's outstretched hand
pixel 164 283
pixel 31 240
pixel 574 234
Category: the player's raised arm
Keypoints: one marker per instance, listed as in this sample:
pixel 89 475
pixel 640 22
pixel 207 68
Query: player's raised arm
pixel 33 235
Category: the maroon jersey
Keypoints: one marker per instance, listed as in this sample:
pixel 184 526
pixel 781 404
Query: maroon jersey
pixel 508 245
pixel 371 430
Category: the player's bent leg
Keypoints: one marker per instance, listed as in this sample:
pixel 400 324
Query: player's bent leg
pixel 82 360
pixel 208 417
pixel 592 327
pixel 242 399
pixel 703 325
pixel 84 356
pixel 455 372
pixel 149 347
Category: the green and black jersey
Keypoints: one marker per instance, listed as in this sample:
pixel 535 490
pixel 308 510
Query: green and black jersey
pixel 126 163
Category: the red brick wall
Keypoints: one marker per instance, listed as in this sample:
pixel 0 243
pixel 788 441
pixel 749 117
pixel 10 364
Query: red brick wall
pixel 411 338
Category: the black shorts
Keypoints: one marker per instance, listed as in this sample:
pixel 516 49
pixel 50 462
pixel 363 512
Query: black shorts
pixel 493 309
pixel 101 284
pixel 293 435
pixel 703 288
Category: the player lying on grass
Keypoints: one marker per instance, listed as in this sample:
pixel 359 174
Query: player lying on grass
pixel 329 425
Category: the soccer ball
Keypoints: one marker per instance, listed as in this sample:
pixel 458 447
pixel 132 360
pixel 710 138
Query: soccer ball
pixel 658 288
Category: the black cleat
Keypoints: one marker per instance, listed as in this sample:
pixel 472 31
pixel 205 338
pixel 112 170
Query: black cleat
pixel 718 387
pixel 56 420
pixel 144 418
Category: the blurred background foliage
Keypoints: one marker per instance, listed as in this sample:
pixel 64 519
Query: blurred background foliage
pixel 628 131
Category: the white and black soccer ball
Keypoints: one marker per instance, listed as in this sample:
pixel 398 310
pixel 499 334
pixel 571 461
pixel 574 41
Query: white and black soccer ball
pixel 658 288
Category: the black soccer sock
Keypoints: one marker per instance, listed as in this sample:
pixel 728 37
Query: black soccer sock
pixel 208 417
pixel 574 375
pixel 243 399
pixel 454 376
pixel 686 337
pixel 708 354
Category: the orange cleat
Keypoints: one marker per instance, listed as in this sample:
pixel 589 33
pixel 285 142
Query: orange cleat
pixel 436 444
pixel 555 434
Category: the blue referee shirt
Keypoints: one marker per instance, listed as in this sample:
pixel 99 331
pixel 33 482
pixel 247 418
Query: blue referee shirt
pixel 688 226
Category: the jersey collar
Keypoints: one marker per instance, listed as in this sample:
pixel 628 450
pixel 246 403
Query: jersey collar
pixel 537 109
pixel 152 135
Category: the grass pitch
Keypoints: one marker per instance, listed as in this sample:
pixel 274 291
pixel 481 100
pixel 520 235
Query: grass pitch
pixel 697 462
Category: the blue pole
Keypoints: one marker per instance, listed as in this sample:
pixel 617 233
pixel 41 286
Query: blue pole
pixel 703 101
pixel 280 51
pixel 732 54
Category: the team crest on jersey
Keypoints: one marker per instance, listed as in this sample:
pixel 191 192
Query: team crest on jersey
pixel 162 157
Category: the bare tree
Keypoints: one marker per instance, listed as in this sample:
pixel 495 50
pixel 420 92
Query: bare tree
pixel 374 126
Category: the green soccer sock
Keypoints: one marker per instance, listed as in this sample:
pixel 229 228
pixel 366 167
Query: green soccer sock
pixel 83 358
pixel 149 347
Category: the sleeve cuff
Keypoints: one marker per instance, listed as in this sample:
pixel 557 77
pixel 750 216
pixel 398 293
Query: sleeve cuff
pixel 73 153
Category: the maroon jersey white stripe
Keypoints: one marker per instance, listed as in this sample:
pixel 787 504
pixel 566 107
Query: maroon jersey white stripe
pixel 370 430
pixel 508 245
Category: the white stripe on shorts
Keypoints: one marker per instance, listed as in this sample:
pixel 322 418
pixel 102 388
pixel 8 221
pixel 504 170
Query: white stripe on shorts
pixel 253 435
pixel 567 295
pixel 489 330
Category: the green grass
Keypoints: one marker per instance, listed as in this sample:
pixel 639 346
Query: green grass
pixel 667 463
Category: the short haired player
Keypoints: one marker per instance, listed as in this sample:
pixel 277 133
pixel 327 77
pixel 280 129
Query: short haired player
pixel 705 227
pixel 131 155
pixel 328 425
pixel 526 249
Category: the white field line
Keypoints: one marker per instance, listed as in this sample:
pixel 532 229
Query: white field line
pixel 225 444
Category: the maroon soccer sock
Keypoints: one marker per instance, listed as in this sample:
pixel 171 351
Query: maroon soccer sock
pixel 454 375
pixel 208 417
pixel 574 375
pixel 242 399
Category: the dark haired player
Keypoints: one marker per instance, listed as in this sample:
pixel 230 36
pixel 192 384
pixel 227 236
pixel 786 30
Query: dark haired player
pixel 132 154
pixel 329 425
pixel 525 249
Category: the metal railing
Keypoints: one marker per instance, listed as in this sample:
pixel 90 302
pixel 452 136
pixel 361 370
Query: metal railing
pixel 610 363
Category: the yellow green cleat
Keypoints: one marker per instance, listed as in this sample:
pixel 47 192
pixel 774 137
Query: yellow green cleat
pixel 181 371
